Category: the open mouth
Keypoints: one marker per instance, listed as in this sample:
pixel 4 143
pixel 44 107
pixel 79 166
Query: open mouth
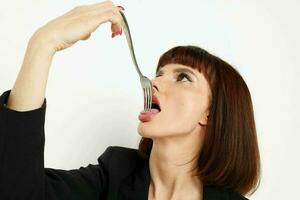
pixel 155 106
pixel 146 116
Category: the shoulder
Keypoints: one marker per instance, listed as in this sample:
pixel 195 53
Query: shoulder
pixel 214 192
pixel 120 160
pixel 236 196
pixel 117 153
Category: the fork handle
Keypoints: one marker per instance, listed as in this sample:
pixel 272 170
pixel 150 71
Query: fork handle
pixel 130 44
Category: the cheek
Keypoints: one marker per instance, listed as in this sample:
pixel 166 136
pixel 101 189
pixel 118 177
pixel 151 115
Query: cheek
pixel 188 101
pixel 190 105
pixel 181 109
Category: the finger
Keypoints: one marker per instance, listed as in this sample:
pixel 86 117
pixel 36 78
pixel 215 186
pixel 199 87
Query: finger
pixel 115 28
pixel 87 37
pixel 106 16
pixel 119 8
pixel 99 5
pixel 114 18
pixel 107 12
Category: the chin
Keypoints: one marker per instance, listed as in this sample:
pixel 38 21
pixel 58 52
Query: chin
pixel 151 131
pixel 148 131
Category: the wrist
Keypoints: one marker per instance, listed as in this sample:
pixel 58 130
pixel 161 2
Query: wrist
pixel 41 44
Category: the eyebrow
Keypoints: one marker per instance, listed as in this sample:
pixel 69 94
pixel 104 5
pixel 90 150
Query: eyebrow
pixel 180 70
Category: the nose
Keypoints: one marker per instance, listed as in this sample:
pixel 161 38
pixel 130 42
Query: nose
pixel 155 89
pixel 155 86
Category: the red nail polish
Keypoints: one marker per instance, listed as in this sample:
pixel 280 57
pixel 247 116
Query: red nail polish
pixel 121 7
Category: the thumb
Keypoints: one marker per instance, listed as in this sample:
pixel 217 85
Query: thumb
pixel 117 28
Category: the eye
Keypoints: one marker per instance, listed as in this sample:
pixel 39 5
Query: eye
pixel 180 76
pixel 183 75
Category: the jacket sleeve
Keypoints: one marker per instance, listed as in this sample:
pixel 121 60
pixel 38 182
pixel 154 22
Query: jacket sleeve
pixel 22 172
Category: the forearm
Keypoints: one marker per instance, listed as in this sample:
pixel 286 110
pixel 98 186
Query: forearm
pixel 28 92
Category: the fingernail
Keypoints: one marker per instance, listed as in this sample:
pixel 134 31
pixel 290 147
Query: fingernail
pixel 120 33
pixel 121 7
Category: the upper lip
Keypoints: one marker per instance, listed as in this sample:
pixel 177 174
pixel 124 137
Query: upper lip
pixel 155 101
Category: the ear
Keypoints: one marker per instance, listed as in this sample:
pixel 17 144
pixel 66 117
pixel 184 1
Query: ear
pixel 204 118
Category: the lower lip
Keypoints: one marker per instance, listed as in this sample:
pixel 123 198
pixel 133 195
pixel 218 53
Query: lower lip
pixel 147 116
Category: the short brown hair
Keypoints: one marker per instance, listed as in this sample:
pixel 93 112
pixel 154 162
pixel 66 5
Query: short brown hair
pixel 230 155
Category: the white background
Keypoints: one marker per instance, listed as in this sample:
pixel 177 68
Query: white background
pixel 93 93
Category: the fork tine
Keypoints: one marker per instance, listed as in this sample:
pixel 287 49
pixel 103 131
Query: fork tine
pixel 145 97
pixel 148 99
pixel 151 90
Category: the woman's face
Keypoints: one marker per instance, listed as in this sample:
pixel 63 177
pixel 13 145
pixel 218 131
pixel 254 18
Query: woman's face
pixel 184 98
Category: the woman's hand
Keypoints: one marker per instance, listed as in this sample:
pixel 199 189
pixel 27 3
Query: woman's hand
pixel 28 92
pixel 78 24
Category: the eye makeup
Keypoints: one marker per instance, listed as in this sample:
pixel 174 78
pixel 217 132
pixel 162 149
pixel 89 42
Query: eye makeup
pixel 184 75
pixel 178 70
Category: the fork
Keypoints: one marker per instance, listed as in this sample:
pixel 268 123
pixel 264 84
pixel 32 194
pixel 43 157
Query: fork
pixel 145 82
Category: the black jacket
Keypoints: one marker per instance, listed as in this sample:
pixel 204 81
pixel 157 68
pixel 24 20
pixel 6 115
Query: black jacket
pixel 121 174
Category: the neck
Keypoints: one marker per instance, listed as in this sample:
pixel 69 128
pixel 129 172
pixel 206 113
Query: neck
pixel 173 166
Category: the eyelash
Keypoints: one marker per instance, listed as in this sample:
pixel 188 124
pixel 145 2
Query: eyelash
pixel 182 74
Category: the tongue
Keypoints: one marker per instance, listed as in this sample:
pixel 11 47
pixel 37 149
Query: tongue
pixel 152 110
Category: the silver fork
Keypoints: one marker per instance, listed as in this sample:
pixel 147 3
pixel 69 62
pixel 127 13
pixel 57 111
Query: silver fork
pixel 145 82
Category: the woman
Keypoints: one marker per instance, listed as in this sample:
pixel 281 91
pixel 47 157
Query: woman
pixel 201 145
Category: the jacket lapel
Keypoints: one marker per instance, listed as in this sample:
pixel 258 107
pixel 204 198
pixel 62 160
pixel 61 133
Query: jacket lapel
pixel 135 186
